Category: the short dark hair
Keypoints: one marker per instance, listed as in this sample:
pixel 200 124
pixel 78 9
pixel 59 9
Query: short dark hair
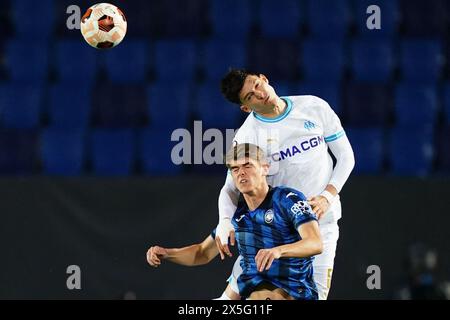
pixel 232 83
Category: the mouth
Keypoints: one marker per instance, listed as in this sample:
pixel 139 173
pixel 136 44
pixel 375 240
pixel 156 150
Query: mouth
pixel 267 99
pixel 243 181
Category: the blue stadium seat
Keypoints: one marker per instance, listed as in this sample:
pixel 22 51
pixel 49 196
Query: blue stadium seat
pixel 20 106
pixel 368 147
pixel 276 58
pixel 280 19
pixel 218 56
pixel 421 60
pixel 231 19
pixel 128 63
pixel 155 148
pixel 141 14
pixel 112 152
pixel 389 14
pixel 18 152
pixel 75 60
pixel 368 104
pixel 214 110
pixel 178 18
pixel 33 19
pixel 62 152
pixel 322 60
pixel 372 60
pixel 328 18
pixel 69 106
pixel 284 88
pixel 411 151
pixel 168 113
pixel 443 150
pixel 447 104
pixel 175 60
pixel 329 91
pixel 416 105
pixel 27 60
pixel 424 18
pixel 119 106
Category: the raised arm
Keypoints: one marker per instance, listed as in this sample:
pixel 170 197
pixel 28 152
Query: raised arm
pixel 228 199
pixel 193 255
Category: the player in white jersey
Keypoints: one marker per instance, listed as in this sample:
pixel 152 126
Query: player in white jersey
pixel 296 133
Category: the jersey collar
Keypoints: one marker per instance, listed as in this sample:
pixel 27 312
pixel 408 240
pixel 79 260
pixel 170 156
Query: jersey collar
pixel 280 117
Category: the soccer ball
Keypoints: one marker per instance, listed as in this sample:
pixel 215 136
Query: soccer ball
pixel 103 26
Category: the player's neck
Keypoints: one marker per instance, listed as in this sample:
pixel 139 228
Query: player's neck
pixel 276 110
pixel 256 197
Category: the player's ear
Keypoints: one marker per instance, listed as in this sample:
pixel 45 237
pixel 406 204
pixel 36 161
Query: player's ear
pixel 245 109
pixel 264 78
pixel 265 168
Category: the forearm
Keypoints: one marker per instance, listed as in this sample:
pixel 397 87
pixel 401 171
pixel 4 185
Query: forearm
pixel 187 256
pixel 228 199
pixel 345 161
pixel 301 249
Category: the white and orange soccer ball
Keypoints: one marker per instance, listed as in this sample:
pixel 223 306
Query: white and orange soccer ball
pixel 103 26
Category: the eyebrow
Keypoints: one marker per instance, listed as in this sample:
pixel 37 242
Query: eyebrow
pixel 244 164
pixel 253 83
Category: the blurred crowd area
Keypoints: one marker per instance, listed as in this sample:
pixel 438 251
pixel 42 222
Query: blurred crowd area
pixel 68 109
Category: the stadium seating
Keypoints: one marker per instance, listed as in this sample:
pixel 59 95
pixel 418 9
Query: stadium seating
pixel 368 104
pixel 372 61
pixel 75 61
pixel 18 152
pixel 27 60
pixel 129 63
pixel 20 106
pixel 62 152
pixel 112 152
pixel 69 106
pixel 328 19
pixel 411 151
pixel 368 148
pixel 416 105
pixel 212 108
pixel 322 60
pixel 33 19
pixel 280 19
pixel 277 58
pixel 154 152
pixel 175 60
pixel 230 19
pixel 217 56
pixel 421 60
pixel 119 106
pixel 389 14
pixel 424 18
pixel 168 105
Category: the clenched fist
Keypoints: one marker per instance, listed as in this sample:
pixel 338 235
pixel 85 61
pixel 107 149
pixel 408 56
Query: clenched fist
pixel 155 254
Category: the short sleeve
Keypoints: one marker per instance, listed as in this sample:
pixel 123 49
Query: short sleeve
pixel 332 127
pixel 296 207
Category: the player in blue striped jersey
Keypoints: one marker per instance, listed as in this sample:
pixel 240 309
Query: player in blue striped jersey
pixel 276 231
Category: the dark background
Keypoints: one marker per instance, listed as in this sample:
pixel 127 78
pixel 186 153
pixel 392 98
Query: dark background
pixel 105 227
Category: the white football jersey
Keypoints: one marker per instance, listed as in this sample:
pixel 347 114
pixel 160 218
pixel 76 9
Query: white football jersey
pixel 295 144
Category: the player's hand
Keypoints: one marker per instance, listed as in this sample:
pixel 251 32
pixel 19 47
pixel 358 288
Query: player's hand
pixel 155 254
pixel 224 231
pixel 264 258
pixel 319 205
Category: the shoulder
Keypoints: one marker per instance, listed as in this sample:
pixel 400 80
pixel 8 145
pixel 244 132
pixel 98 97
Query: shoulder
pixel 246 129
pixel 283 194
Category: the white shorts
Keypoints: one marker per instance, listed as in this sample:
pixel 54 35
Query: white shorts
pixel 322 265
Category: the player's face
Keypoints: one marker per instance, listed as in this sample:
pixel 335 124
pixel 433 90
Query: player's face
pixel 257 95
pixel 248 174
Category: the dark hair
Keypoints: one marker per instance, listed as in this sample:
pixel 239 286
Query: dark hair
pixel 232 83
